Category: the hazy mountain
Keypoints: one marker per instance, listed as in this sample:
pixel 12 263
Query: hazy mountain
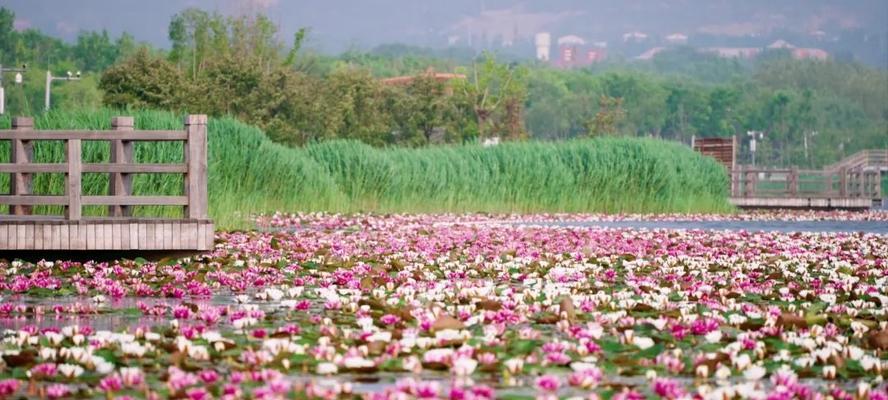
pixel 855 27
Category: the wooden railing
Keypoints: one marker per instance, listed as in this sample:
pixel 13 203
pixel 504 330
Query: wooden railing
pixel 749 182
pixel 120 198
pixel 864 159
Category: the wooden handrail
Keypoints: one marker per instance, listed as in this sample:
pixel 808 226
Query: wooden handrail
pixel 120 198
pixel 146 136
pixel 749 182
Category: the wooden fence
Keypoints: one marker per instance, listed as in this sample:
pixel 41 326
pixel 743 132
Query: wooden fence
pixel 120 198
pixel 760 182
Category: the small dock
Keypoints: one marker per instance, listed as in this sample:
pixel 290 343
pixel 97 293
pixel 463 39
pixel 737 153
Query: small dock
pixel 853 183
pixel 119 230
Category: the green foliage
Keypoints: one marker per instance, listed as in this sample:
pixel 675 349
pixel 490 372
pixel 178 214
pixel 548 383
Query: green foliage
pixel 609 116
pixel 495 94
pixel 144 81
pixel 812 112
pixel 250 174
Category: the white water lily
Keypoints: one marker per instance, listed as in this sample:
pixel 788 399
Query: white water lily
pixel 643 342
pixel 464 366
pixel 755 372
pixel 102 366
pixel 54 338
pixel 70 370
pixel 133 349
pixel 357 362
pixel 198 353
pixel 869 362
pixel 723 373
pixel 714 336
pixel 48 353
pixel 742 361
pixel 381 336
pixel 515 365
pixel 326 368
pixel 448 334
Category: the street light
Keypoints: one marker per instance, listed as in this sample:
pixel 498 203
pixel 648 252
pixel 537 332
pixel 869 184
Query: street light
pixel 50 78
pixel 752 142
pixel 18 81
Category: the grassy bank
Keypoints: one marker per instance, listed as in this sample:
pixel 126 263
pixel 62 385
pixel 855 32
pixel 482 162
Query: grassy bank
pixel 250 174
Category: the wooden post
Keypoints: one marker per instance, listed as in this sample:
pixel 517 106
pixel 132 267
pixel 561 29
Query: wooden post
pixel 877 189
pixel 196 160
pixel 121 184
pixel 22 152
pixel 73 189
pixel 843 182
pixel 793 182
pixel 752 183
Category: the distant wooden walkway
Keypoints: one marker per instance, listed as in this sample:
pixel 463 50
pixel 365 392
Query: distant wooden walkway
pixel 855 182
pixel 852 183
pixel 21 230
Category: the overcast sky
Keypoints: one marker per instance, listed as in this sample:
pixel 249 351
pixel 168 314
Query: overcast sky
pixel 340 24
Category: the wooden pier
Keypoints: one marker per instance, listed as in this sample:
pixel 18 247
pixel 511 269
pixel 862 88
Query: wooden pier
pixel 119 230
pixel 853 183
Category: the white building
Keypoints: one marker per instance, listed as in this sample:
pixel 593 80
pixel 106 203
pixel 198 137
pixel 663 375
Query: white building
pixel 543 42
pixel 677 38
pixel 571 40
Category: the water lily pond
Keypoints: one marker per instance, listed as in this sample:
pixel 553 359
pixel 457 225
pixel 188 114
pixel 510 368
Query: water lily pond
pixel 461 307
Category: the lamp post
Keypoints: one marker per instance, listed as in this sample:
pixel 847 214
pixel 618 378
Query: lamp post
pixel 50 78
pixel 18 81
pixel 752 142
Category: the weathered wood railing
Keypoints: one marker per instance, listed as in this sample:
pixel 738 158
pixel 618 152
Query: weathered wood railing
pixel 118 230
pixel 750 182
pixel 120 198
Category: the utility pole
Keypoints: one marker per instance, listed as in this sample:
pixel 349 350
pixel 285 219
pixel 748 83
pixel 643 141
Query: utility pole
pixel 752 142
pixel 18 81
pixel 50 78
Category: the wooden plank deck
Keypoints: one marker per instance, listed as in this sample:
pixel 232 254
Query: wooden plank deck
pixel 802 202
pixel 49 233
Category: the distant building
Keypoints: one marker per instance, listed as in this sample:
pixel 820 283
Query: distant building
pixel 780 44
pixel 543 41
pixel 635 36
pixel 571 40
pixel 650 54
pixel 810 54
pixel 798 52
pixel 573 52
pixel 406 80
pixel 677 39
pixel 734 52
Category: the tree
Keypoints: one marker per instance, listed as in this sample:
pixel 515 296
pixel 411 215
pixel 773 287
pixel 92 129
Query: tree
pixel 95 50
pixel 144 80
pixel 7 33
pixel 495 93
pixel 608 118
pixel 422 109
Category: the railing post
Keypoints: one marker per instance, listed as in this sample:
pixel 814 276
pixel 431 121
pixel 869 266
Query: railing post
pixel 843 182
pixel 21 152
pixel 196 160
pixel 793 181
pixel 73 187
pixel 121 184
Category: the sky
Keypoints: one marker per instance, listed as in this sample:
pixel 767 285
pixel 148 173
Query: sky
pixel 336 25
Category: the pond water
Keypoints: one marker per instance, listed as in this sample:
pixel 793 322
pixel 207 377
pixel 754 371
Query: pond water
pixel 876 227
pixel 127 314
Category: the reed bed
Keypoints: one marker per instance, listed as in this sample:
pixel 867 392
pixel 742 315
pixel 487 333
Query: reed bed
pixel 249 174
